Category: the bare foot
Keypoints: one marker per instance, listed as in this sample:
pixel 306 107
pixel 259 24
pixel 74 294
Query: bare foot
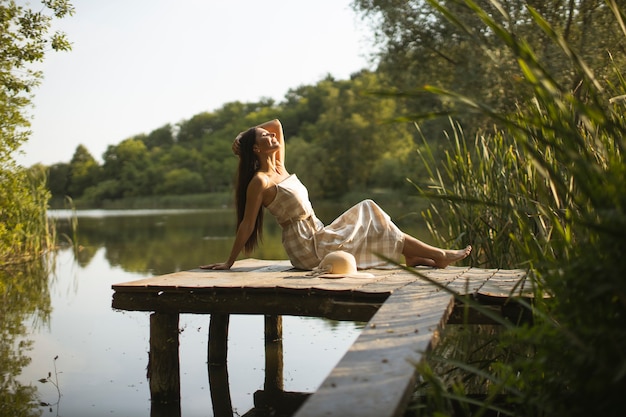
pixel 451 256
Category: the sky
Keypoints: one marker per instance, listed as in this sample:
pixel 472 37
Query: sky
pixel 137 65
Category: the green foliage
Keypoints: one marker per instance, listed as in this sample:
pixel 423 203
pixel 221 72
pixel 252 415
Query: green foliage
pixel 463 375
pixel 24 229
pixel 421 44
pixel 351 136
pixel 125 165
pixel 24 40
pixel 58 179
pixel 181 181
pixel 488 190
pixel 335 121
pixel 83 171
pixel 547 189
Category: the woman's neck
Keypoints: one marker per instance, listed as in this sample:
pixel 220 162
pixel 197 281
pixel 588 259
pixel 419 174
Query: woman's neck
pixel 270 165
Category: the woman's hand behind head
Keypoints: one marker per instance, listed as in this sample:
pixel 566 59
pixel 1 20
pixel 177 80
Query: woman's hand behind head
pixel 236 144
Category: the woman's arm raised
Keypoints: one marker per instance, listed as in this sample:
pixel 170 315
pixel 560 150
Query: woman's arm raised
pixel 274 126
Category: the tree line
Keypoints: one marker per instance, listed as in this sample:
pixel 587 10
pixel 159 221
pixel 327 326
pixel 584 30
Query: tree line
pixel 335 131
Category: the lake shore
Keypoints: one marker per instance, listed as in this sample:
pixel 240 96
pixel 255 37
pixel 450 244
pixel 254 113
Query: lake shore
pixel 391 198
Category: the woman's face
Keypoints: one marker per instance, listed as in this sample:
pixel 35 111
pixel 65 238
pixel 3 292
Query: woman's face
pixel 266 141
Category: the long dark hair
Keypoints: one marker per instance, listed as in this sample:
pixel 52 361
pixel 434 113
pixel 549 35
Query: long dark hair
pixel 248 166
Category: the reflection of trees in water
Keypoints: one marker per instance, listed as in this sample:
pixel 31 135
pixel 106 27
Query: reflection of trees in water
pixel 25 295
pixel 163 242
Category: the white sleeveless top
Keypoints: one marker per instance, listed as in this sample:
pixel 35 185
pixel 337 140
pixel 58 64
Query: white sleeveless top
pixel 364 230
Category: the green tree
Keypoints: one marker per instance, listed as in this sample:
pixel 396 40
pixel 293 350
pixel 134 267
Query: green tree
pixel 108 189
pixel 181 181
pixel 58 179
pixel 303 106
pixel 24 40
pixel 83 171
pixel 126 169
pixel 227 121
pixel 179 157
pixel 303 159
pixel 353 135
pixel 419 46
pixel 218 165
pixel 191 131
pixel 161 137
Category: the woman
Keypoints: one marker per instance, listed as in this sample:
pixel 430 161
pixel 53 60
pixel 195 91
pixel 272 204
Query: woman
pixel 365 230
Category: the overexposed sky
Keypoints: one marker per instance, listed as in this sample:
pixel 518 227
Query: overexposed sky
pixel 137 65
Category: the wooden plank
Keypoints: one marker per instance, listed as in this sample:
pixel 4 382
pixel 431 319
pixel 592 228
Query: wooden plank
pixel 448 274
pixel 209 280
pixel 256 274
pixel 261 264
pixel 504 284
pixel 202 280
pixel 253 302
pixel 377 375
pixel 247 271
pixel 497 289
pixel 449 277
pixel 251 289
pixel 469 281
pixel 390 282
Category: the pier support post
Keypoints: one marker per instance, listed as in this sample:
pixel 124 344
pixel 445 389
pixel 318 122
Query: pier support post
pixel 163 364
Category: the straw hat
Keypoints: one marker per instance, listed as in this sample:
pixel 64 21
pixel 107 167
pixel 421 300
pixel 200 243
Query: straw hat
pixel 339 264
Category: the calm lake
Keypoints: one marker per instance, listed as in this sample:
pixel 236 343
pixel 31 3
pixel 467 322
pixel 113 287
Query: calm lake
pixel 101 354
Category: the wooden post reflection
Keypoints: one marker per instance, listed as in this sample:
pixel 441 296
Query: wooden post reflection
pixel 163 365
pixel 217 365
pixel 273 354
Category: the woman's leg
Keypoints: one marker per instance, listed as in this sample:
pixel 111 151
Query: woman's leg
pixel 417 253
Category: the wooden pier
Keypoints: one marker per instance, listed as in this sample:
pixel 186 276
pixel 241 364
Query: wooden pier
pixel 404 313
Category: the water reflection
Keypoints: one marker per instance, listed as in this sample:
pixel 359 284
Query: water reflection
pixel 164 241
pixel 64 311
pixel 160 242
pixel 25 297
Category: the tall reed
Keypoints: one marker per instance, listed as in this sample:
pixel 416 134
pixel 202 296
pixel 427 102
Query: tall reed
pixel 547 189
pixel 480 191
pixel 25 232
